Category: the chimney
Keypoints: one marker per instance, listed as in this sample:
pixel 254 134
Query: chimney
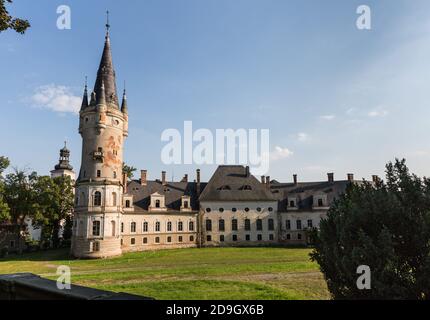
pixel 185 178
pixel 375 178
pixel 350 177
pixel 163 178
pixel 247 171
pixel 268 182
pixel 330 177
pixel 143 177
pixel 198 182
pixel 295 179
pixel 263 179
pixel 124 182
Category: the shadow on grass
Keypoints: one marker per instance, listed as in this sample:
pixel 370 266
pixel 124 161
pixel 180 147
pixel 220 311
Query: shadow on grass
pixel 48 255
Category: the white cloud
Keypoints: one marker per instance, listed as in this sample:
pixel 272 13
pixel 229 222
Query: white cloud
pixel 56 98
pixel 303 137
pixel 280 153
pixel 377 113
pixel 328 117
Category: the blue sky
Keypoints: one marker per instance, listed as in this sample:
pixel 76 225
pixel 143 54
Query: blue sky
pixel 337 98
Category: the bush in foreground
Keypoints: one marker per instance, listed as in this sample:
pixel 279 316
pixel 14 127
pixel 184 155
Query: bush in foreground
pixel 384 225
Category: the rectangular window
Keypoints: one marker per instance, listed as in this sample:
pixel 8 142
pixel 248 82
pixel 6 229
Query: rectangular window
pixel 208 225
pixel 191 238
pixel 99 173
pixel 299 224
pixel 235 237
pixel 122 226
pixel 145 227
pixel 221 225
pixel 310 224
pixel 145 240
pixel 248 237
pixel 208 238
pixel 320 202
pixel 288 236
pixel 12 243
pixel 292 204
pixel 259 237
pixel 96 246
pixel 133 227
pixel 299 236
pixel 157 239
pixel 180 239
pixel 157 226
pixel 247 224
pixel 96 228
pixel 132 241
pixel 259 224
pixel 288 225
pixel 271 225
pixel 221 238
pixel 234 224
pixel 271 237
pixel 169 239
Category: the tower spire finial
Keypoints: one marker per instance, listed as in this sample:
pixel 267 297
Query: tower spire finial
pixel 107 24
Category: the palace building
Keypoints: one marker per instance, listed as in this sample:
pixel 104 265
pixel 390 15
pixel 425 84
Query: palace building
pixel 114 215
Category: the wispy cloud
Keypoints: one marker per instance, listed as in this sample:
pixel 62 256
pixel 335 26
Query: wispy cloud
pixel 303 137
pixel 280 153
pixel 377 113
pixel 56 98
pixel 328 117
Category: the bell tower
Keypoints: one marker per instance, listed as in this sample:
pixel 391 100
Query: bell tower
pixel 103 125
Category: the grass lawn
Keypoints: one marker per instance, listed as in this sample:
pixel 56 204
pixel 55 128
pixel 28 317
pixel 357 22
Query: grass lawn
pixel 209 273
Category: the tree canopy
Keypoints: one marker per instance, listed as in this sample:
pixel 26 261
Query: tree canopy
pixel 384 225
pixel 9 22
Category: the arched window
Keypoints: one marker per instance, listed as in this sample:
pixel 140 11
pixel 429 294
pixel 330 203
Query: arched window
pixel 97 198
pixel 169 226
pixel 191 226
pixel 157 203
pixel 114 199
pixel 145 226
pixel 133 227
pixel 259 224
pixel 180 226
pixel 157 226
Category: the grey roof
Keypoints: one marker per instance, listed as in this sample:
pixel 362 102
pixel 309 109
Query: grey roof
pixel 173 192
pixel 232 183
pixel 304 192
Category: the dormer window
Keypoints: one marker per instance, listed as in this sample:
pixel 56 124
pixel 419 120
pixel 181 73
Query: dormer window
pixel 320 202
pixel 245 187
pixel 157 202
pixel 225 187
pixel 185 204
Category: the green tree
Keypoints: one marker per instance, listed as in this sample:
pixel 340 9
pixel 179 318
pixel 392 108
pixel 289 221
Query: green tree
pixel 9 22
pixel 19 195
pixel 129 170
pixel 385 226
pixel 4 208
pixel 55 202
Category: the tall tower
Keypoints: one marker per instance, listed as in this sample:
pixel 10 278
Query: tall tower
pixel 103 125
pixel 63 168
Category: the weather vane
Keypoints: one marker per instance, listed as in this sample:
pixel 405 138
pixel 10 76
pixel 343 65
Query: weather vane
pixel 107 21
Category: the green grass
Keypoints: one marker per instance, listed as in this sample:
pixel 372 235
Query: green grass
pixel 210 273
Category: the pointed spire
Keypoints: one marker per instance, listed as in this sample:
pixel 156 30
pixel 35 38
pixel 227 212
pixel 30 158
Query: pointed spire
pixel 106 73
pixel 85 98
pixel 124 108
